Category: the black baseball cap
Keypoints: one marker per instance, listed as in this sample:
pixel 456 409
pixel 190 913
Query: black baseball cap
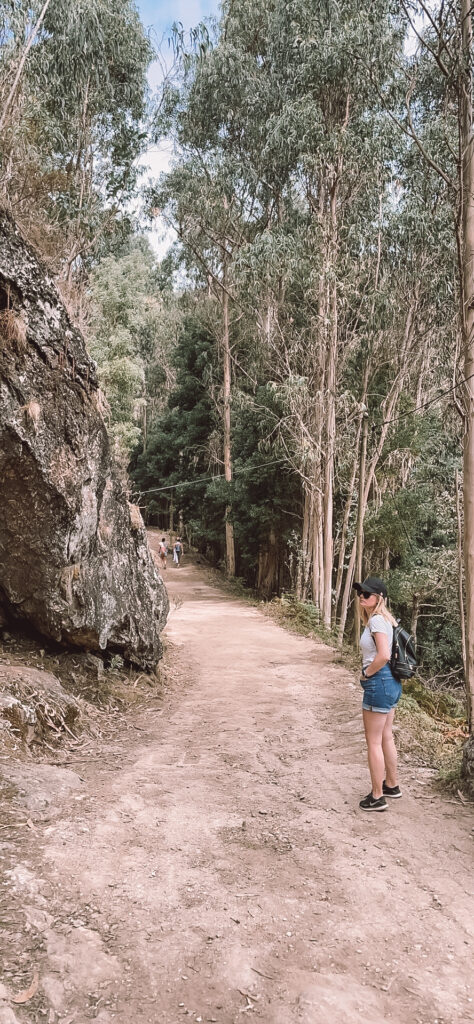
pixel 372 585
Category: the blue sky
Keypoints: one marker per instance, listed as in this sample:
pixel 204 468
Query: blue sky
pixel 159 15
pixel 164 12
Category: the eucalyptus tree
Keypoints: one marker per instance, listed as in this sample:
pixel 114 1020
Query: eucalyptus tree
pixel 284 105
pixel 210 200
pixel 33 32
pixel 131 328
pixel 438 119
pixel 298 113
pixel 74 126
pixel 326 234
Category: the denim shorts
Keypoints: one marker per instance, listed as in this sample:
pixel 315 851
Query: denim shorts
pixel 381 692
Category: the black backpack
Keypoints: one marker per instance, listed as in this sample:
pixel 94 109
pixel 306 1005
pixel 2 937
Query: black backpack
pixel 403 660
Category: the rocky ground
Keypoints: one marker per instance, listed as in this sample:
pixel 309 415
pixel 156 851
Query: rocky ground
pixel 200 855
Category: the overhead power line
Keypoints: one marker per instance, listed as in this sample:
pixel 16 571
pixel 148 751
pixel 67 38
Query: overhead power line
pixel 207 479
pixel 431 401
pixel 276 462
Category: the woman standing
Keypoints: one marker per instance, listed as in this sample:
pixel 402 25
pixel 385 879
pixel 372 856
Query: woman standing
pixel 381 693
pixel 177 552
pixel 163 551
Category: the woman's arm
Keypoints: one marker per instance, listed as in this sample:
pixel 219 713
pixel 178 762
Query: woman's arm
pixel 382 656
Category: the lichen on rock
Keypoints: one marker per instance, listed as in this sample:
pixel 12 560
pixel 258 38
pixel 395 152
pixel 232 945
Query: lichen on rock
pixel 74 557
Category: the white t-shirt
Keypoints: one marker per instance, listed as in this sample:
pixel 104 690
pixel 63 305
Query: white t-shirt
pixel 376 624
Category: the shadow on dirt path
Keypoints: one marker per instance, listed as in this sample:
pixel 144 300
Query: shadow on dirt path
pixel 219 868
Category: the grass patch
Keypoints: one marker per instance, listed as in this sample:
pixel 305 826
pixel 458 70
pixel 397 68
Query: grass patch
pixel 233 585
pixel 300 617
pixel 449 771
pixel 431 727
pixel 434 728
pixel 440 704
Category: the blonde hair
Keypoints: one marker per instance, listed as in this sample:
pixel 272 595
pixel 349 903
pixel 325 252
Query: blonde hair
pixel 380 609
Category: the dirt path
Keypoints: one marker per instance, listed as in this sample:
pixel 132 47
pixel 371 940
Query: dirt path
pixel 219 868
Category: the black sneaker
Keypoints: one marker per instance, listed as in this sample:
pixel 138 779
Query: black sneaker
pixel 369 803
pixel 394 792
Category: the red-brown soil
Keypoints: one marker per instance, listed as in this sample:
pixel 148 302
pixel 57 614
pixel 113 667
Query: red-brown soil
pixel 210 863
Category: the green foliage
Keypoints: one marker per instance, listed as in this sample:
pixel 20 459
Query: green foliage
pixel 76 126
pixel 130 334
pixel 178 452
pixel 438 704
pixel 300 617
pixel 278 114
pixel 181 448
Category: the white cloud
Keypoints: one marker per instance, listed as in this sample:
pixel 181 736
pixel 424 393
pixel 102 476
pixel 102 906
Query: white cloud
pixel 189 12
pixel 157 159
pixel 154 162
pixel 155 71
pixel 161 237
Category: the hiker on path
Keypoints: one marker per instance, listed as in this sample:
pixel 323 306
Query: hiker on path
pixel 381 693
pixel 177 552
pixel 163 551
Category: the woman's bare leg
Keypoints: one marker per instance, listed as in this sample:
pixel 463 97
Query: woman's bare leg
pixel 374 722
pixel 390 751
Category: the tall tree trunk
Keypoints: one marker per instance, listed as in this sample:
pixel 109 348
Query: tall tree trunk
pixel 29 44
pixel 467 180
pixel 302 570
pixel 360 525
pixel 267 582
pixel 462 614
pixel 345 522
pixel 347 592
pixel 318 552
pixel 328 499
pixel 415 612
pixel 145 425
pixel 316 574
pixel 330 432
pixel 229 528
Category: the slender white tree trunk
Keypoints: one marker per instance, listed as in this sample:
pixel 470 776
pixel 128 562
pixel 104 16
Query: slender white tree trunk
pixel 330 433
pixel 462 611
pixel 29 44
pixel 328 502
pixel 467 184
pixel 360 526
pixel 229 529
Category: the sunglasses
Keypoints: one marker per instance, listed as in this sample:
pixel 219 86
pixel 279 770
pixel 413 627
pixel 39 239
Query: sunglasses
pixel 365 594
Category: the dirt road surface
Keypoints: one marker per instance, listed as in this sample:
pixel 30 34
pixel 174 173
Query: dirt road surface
pixel 214 865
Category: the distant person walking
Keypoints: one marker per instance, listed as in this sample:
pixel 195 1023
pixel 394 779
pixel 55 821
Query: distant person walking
pixel 177 552
pixel 163 552
pixel 381 693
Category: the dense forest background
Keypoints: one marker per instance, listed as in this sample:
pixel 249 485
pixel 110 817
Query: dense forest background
pixel 286 385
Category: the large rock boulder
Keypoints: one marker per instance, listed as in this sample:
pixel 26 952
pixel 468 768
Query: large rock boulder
pixel 74 556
